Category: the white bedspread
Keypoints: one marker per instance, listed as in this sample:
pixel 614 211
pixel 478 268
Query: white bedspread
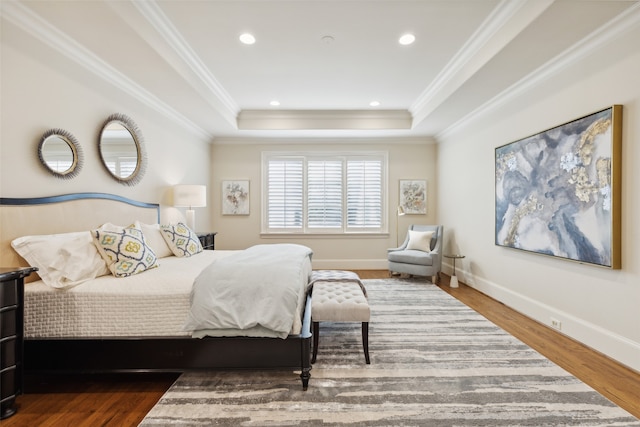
pixel 153 303
pixel 259 287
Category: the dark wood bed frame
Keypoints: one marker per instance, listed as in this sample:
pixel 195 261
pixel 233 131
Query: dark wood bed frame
pixel 162 354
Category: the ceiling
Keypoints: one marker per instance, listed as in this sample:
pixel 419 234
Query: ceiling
pixel 323 60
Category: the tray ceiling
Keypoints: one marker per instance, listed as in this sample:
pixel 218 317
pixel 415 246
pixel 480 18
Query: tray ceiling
pixel 323 61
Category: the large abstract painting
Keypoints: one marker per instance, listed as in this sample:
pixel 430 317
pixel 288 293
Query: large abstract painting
pixel 558 192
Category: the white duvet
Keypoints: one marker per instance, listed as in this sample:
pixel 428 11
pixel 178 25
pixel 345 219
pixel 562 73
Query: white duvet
pixel 257 290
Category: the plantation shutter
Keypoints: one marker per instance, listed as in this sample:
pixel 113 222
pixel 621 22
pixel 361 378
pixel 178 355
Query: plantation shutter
pixel 324 193
pixel 364 193
pixel 285 197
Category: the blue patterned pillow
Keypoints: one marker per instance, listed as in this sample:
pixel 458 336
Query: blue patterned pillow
pixel 182 241
pixel 125 251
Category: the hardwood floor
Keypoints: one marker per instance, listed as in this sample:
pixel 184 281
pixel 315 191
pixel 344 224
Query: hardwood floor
pixel 124 399
pixel 89 400
pixel 616 382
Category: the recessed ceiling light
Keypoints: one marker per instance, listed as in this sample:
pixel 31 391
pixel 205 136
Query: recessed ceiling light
pixel 247 38
pixel 407 39
pixel 374 103
pixel 274 103
pixel 327 39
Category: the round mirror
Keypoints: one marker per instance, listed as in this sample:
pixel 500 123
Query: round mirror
pixel 121 149
pixel 60 153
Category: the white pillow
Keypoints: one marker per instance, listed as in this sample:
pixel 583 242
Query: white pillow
pixel 153 238
pixel 63 260
pixel 107 226
pixel 420 240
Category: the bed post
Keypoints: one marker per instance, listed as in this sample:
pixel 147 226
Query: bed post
pixel 305 374
pixel 305 342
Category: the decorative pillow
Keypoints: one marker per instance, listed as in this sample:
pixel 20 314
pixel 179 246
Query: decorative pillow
pixel 420 240
pixel 63 260
pixel 182 241
pixel 154 239
pixel 125 252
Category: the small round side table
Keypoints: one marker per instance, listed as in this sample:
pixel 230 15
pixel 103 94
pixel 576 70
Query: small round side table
pixel 454 279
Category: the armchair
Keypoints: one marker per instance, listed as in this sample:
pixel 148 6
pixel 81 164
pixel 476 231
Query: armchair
pixel 410 259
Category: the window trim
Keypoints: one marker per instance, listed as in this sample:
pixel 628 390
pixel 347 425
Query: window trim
pixel 305 231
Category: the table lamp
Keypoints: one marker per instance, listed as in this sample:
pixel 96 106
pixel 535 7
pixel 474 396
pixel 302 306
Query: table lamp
pixel 190 196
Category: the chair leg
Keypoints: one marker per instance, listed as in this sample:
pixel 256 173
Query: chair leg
pixel 365 341
pixel 316 336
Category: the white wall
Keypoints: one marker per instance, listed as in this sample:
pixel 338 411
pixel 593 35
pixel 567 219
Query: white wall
pixel 36 97
pixel 241 160
pixel 596 306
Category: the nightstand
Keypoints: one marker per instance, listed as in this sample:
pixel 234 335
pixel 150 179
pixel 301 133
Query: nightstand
pixel 208 240
pixel 11 336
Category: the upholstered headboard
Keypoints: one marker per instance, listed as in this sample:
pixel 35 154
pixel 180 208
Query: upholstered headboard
pixel 64 214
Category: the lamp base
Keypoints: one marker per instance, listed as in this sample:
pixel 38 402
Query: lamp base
pixel 191 219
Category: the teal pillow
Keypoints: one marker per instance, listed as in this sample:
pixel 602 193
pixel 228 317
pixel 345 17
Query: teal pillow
pixel 125 251
pixel 182 241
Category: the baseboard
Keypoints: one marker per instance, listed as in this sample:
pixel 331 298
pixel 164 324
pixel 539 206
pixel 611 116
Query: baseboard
pixel 615 346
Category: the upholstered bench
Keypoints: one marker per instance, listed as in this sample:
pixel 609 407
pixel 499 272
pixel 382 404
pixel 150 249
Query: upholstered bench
pixel 338 296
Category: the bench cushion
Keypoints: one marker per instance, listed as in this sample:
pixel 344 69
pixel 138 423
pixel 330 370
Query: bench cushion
pixel 339 302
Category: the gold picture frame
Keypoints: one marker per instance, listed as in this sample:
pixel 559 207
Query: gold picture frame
pixel 558 192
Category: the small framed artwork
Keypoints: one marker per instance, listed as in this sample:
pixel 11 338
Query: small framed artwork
pixel 413 196
pixel 558 192
pixel 235 197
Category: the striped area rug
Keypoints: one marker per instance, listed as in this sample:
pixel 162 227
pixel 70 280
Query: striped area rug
pixel 434 362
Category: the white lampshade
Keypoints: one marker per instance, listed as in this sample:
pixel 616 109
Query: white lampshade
pixel 191 196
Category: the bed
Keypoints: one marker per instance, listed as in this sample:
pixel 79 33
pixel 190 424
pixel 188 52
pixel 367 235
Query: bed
pixel 120 335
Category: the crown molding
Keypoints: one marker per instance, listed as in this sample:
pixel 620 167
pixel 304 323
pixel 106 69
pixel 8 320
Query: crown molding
pixel 320 141
pixel 226 105
pixel 33 24
pixel 605 34
pixel 323 119
pixel 505 22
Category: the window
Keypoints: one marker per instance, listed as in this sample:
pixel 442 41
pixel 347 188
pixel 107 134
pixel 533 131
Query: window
pixel 122 166
pixel 320 193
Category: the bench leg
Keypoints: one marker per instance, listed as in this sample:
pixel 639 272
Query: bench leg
pixel 316 336
pixel 365 341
